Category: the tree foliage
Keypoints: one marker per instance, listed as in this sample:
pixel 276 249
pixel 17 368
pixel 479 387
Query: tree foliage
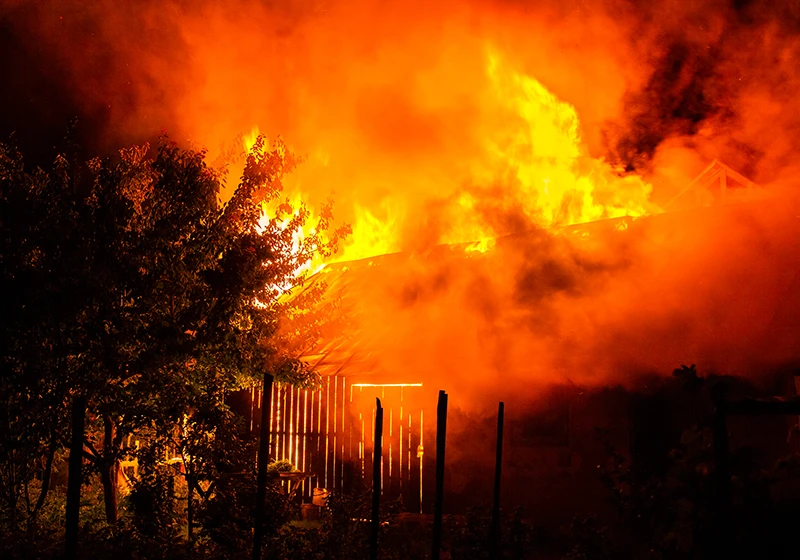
pixel 130 283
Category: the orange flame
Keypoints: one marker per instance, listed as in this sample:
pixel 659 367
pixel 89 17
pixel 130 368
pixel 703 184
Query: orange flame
pixel 532 147
pixel 541 155
pixel 290 210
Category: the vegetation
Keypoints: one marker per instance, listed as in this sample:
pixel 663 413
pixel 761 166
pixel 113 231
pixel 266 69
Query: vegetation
pixel 137 301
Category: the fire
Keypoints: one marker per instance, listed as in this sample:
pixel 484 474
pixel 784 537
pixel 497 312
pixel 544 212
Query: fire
pixel 540 155
pixel 531 159
pixel 292 213
pixel 249 140
pixel 371 235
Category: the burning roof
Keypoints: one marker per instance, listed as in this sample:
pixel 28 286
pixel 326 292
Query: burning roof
pixel 575 303
pixel 717 184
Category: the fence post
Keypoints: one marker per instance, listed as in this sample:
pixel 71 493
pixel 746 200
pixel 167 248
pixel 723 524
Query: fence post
pixel 263 460
pixel 376 482
pixel 494 537
pixel 441 437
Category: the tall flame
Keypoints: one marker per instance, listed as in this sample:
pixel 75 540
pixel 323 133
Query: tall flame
pixel 539 154
pixel 531 159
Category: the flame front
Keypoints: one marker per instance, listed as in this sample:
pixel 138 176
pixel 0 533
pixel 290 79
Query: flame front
pixel 531 161
pixel 542 158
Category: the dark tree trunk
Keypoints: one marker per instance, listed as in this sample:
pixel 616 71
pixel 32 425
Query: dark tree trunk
pixel 109 471
pixel 46 476
pixel 189 508
pixel 74 478
pixel 110 479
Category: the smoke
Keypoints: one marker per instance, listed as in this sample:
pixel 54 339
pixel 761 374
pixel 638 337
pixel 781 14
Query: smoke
pixel 716 85
pixel 120 69
pixel 388 97
pixel 586 306
pixel 395 105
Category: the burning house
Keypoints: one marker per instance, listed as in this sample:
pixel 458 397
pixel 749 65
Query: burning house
pixel 531 210
pixel 560 427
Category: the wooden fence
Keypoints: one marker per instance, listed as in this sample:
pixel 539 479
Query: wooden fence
pixel 329 433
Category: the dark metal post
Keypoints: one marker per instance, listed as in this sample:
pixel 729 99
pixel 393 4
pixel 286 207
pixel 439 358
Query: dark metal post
pixel 376 482
pixel 722 474
pixel 441 438
pixel 263 460
pixel 494 537
pixel 721 450
pixel 74 478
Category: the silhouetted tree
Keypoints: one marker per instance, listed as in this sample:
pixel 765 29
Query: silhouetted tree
pixel 141 298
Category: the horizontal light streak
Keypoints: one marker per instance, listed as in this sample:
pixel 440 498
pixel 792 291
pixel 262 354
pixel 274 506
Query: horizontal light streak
pixel 386 385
